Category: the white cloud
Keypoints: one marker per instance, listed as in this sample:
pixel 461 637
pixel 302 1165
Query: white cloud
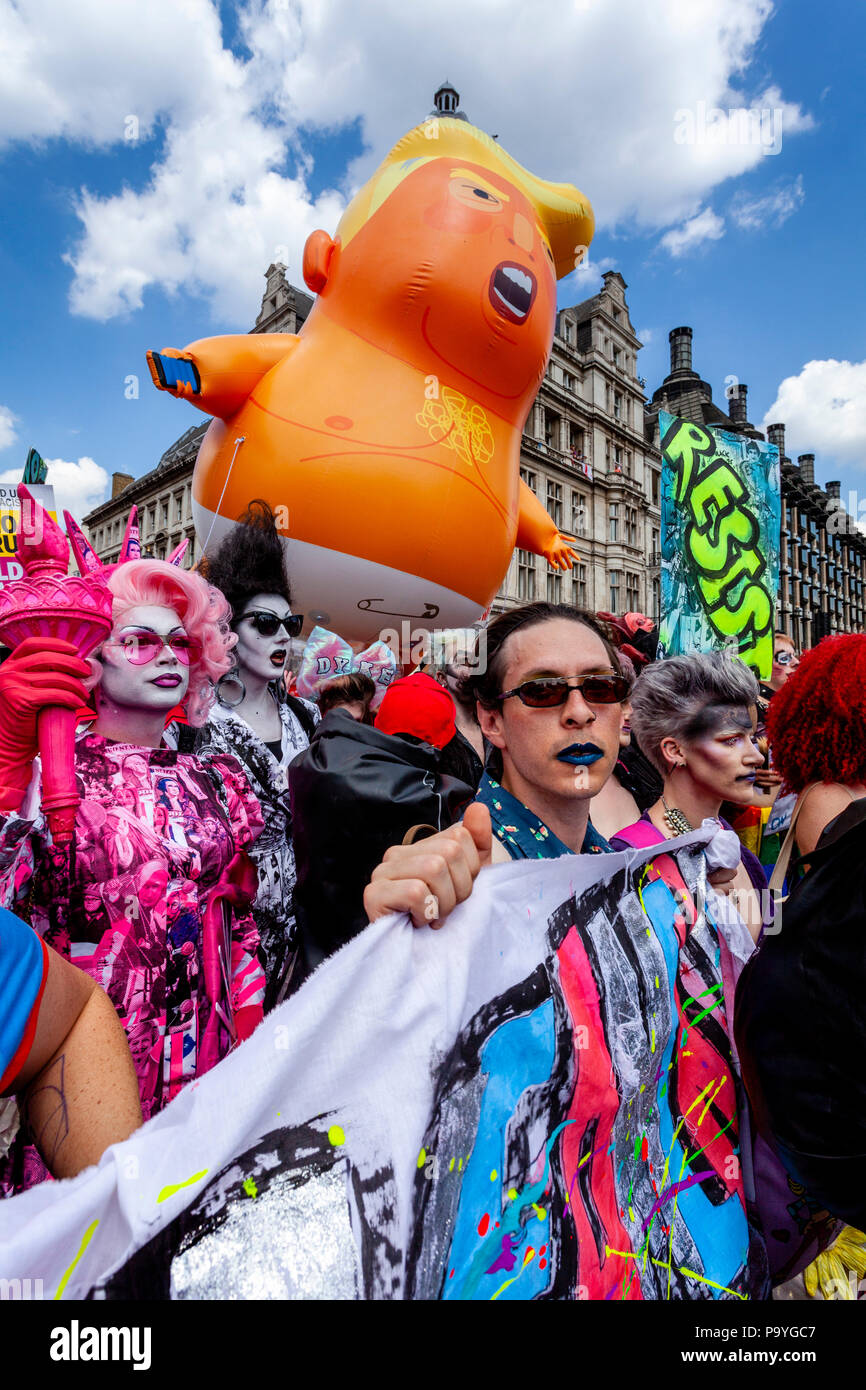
pixel 772 210
pixel 824 411
pixel 646 336
pixel 7 427
pixel 596 99
pixel 78 485
pixel 704 226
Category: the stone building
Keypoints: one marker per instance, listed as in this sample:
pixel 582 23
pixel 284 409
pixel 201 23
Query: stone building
pixel 822 567
pixel 585 455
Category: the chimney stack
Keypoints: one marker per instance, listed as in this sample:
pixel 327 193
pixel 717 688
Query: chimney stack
pixel 807 467
pixel 737 404
pixel 834 490
pixel 776 435
pixel 680 340
pixel 119 483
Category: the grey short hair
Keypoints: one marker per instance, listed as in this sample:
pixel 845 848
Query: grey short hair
pixel 671 696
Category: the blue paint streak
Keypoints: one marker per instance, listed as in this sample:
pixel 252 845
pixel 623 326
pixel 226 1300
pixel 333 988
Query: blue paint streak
pixel 519 1054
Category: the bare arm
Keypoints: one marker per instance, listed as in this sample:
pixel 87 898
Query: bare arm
pixel 78 1088
pixel 821 806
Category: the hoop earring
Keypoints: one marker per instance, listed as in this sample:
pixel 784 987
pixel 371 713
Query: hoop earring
pixel 231 677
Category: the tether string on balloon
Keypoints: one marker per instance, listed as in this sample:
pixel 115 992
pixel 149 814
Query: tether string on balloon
pixel 238 443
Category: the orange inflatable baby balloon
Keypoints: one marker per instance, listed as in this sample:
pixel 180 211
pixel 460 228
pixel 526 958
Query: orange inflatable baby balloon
pixel 386 434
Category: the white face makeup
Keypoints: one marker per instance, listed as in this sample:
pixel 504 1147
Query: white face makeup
pixel 257 653
pixel 159 684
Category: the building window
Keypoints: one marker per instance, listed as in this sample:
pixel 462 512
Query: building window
pixel 631 526
pixel 579 585
pixel 530 478
pixel 569 331
pixel 616 316
pixel 569 382
pixel 525 575
pixel 632 593
pixel 554 586
pixel 152 521
pixel 617 457
pixel 178 506
pixel 575 440
pixel 614 591
pixel 617 405
pixel 657 604
pixel 551 429
pixel 554 502
pixel 614 521
pixel 655 475
pixel 655 556
pixel 165 516
pixel 617 357
pixel 578 514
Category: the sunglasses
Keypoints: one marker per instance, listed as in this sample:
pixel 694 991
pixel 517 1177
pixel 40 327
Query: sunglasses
pixel 268 624
pixel 141 647
pixel 785 658
pixel 555 690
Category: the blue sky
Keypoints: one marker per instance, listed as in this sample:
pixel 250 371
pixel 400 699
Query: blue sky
pixel 251 124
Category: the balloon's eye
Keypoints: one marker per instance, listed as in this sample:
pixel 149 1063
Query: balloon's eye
pixel 473 196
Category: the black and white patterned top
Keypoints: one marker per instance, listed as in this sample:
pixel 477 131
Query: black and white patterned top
pixel 273 852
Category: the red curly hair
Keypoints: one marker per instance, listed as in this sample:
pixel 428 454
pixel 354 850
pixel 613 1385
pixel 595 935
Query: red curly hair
pixel 816 723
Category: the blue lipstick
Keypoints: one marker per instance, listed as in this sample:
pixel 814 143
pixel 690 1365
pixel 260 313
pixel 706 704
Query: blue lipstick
pixel 581 754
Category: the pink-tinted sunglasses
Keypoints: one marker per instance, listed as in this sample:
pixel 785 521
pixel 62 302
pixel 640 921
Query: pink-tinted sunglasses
pixel 141 647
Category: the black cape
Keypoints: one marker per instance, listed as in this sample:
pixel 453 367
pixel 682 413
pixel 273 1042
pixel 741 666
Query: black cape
pixel 354 792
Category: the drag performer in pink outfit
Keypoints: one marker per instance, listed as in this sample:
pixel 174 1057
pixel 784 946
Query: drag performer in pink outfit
pixel 155 906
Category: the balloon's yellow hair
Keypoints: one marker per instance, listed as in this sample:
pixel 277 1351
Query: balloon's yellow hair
pixel 563 211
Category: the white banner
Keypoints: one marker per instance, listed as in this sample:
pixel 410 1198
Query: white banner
pixel 493 1110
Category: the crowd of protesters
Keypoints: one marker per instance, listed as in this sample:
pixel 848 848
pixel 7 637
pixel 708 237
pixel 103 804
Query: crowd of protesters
pixel 232 835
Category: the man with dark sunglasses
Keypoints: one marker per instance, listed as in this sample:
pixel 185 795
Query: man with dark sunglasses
pixel 550 706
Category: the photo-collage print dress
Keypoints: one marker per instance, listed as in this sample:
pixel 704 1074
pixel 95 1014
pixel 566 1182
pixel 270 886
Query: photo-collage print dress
pixel 157 835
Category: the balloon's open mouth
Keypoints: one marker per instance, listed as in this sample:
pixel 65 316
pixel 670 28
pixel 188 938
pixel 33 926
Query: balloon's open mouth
pixel 512 291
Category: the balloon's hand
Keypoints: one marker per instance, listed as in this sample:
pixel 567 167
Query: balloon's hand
pixel 560 554
pixel 429 878
pixel 175 372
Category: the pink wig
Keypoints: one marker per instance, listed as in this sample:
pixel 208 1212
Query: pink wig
pixel 201 609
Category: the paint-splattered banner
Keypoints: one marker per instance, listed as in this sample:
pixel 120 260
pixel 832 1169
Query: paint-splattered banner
pixel 721 514
pixel 536 1102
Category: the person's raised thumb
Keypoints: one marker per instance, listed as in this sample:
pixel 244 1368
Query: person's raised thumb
pixel 477 822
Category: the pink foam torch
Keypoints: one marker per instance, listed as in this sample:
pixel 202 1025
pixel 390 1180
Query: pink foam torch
pixel 48 602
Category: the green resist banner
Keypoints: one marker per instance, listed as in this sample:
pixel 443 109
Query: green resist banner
pixel 721 514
